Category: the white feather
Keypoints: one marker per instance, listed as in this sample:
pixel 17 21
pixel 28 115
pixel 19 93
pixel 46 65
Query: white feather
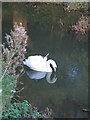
pixel 39 63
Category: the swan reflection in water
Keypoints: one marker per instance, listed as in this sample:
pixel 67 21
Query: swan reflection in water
pixel 39 75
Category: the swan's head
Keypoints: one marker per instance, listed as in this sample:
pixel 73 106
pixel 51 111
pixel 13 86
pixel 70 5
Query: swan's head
pixel 53 63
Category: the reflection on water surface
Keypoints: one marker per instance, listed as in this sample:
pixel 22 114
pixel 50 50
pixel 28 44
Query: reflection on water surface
pixel 68 94
pixel 39 75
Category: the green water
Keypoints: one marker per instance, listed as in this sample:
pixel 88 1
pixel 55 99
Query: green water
pixel 69 94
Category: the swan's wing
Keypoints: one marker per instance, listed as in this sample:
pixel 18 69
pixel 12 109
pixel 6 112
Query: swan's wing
pixel 37 63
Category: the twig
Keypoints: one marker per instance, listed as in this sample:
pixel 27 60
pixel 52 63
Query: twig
pixel 5 71
pixel 6 68
pixel 20 90
pixel 16 100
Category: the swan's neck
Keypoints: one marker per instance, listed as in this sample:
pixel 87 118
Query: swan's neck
pixel 52 62
pixel 49 69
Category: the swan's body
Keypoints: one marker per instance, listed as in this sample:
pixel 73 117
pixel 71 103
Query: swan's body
pixel 39 63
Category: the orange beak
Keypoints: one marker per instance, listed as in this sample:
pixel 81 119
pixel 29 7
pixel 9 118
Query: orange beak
pixel 55 69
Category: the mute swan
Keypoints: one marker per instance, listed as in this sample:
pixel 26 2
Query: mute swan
pixel 39 63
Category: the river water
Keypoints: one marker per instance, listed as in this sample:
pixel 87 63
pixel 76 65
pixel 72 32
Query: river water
pixel 66 91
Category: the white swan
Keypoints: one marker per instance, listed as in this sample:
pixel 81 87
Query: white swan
pixel 39 63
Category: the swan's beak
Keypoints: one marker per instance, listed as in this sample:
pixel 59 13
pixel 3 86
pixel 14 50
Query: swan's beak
pixel 55 69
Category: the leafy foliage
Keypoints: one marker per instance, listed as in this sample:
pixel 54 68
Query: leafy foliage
pixel 8 87
pixel 20 110
pixel 12 57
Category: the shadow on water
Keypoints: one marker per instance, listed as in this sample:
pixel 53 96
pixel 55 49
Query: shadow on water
pixel 68 94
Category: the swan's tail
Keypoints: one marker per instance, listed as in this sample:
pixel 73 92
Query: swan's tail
pixel 45 58
pixel 47 55
pixel 24 61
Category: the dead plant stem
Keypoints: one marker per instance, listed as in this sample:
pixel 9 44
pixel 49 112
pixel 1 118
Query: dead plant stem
pixel 6 68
